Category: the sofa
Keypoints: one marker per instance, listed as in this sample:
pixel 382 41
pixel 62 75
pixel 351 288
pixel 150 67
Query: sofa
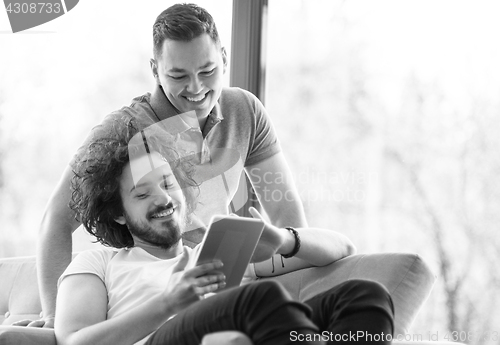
pixel 406 276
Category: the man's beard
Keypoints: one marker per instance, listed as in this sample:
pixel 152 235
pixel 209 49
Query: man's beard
pixel 169 235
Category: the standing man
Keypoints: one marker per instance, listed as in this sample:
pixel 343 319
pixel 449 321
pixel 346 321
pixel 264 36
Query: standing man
pixel 232 133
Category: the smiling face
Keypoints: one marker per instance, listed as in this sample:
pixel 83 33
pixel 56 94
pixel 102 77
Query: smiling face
pixel 191 73
pixel 154 207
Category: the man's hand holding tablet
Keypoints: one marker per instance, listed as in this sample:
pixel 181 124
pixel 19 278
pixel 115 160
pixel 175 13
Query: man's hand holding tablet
pixel 232 240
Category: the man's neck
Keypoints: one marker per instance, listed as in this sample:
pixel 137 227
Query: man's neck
pixel 202 122
pixel 161 253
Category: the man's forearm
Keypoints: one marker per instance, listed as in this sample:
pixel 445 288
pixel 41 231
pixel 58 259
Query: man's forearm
pixel 127 328
pixel 319 247
pixel 273 183
pixel 287 213
pixel 284 212
pixel 53 256
pixel 55 243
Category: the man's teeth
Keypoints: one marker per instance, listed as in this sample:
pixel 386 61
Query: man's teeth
pixel 197 99
pixel 164 213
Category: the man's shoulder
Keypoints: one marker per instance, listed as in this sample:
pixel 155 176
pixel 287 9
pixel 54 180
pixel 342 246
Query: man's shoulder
pixel 239 104
pixel 236 94
pixel 139 108
pixel 93 261
pixel 103 255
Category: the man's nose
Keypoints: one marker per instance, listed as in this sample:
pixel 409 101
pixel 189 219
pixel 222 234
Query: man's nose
pixel 194 87
pixel 162 196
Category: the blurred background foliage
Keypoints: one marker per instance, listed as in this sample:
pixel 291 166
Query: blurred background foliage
pixel 388 113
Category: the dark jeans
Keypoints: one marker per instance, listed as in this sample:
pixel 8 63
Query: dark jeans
pixel 351 311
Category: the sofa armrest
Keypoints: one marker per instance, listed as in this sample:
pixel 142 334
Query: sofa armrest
pixel 19 297
pixel 15 335
pixel 406 276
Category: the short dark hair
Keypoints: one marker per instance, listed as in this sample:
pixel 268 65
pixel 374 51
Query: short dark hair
pixel 182 22
pixel 95 183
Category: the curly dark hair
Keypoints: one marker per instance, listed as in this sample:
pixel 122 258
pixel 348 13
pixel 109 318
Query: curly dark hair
pixel 95 184
pixel 182 22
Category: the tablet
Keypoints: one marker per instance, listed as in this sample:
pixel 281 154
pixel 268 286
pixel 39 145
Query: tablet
pixel 232 240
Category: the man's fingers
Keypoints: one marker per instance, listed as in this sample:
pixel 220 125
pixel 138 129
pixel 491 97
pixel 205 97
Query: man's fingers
pixel 49 323
pixel 37 323
pixel 255 213
pixel 46 323
pixel 208 283
pixel 211 279
pixel 203 269
pixel 213 287
pixel 22 323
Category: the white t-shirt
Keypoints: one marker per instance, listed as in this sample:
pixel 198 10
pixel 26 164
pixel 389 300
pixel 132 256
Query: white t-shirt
pixel 131 276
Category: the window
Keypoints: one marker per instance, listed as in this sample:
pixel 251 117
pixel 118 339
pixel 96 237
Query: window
pixel 388 112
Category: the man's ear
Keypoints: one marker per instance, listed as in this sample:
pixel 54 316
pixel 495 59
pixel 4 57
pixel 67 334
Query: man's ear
pixel 224 58
pixel 154 69
pixel 120 220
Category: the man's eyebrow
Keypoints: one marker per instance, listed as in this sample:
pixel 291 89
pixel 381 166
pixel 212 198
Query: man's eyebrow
pixel 136 186
pixel 180 70
pixel 139 185
pixel 163 178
